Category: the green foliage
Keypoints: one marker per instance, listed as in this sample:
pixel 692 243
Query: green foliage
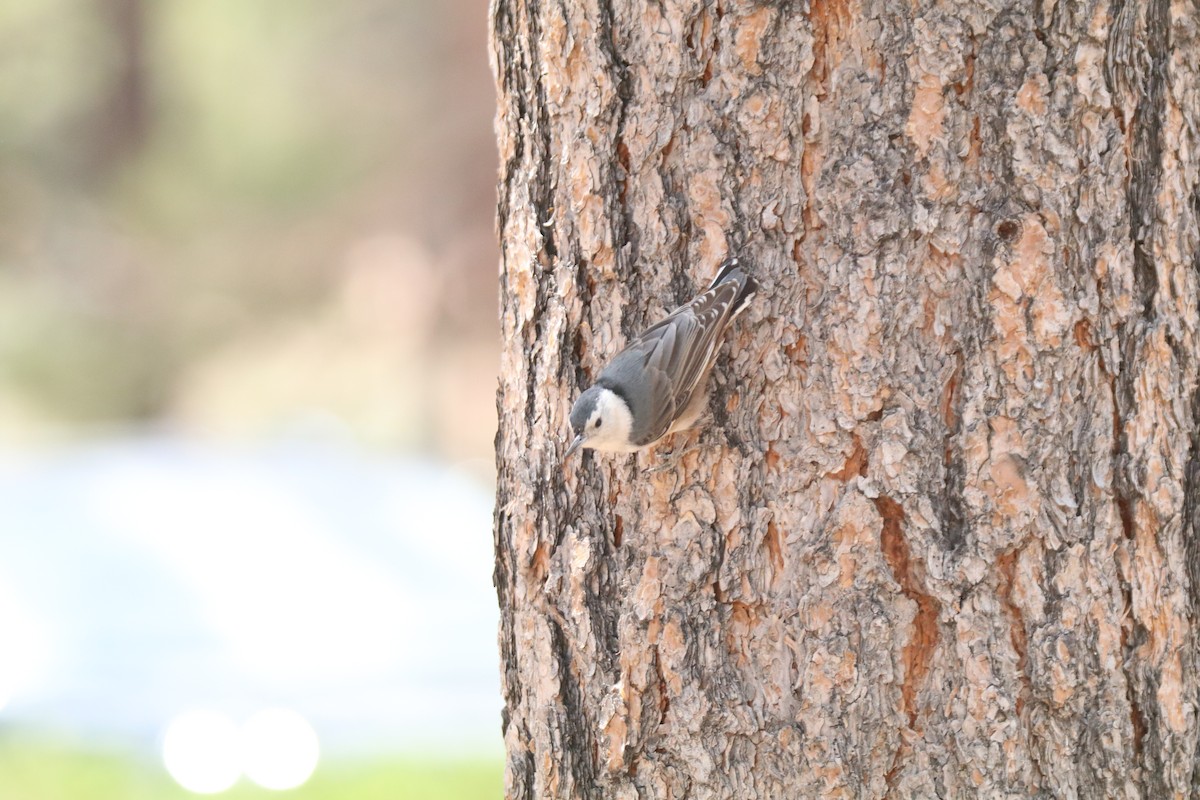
pixel 42 771
pixel 179 180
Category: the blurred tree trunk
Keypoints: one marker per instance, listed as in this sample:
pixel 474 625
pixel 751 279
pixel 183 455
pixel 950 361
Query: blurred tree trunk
pixel 121 121
pixel 942 536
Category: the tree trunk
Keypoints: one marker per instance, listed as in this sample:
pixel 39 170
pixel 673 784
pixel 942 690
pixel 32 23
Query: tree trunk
pixel 120 123
pixel 941 534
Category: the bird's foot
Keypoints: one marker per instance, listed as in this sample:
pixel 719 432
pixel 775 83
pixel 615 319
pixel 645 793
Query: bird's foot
pixel 672 458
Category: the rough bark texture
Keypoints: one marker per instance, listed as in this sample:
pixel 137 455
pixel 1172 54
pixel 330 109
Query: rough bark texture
pixel 941 537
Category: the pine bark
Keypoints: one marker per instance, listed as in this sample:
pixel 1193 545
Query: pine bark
pixel 941 535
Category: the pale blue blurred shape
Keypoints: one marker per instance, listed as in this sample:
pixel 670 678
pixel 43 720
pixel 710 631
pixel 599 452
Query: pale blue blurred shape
pixel 163 575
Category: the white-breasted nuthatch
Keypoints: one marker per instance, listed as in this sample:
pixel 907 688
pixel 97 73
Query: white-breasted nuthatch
pixel 657 384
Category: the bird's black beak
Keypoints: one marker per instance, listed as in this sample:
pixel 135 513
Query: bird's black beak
pixel 573 447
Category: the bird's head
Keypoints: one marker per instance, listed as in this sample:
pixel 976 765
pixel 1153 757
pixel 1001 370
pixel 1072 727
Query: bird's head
pixel 601 420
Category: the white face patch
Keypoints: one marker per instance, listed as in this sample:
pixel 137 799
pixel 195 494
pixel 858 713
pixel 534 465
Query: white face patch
pixel 609 425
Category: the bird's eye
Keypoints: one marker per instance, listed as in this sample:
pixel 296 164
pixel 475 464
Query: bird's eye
pixel 598 421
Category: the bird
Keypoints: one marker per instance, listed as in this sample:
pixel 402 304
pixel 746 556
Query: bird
pixel 657 385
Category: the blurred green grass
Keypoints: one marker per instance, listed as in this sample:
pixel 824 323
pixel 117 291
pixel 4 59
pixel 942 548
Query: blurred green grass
pixel 52 771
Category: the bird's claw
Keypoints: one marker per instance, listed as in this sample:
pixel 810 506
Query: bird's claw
pixel 673 457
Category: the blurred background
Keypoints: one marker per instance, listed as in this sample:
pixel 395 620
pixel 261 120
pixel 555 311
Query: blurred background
pixel 248 347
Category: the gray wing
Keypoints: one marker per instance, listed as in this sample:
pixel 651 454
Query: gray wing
pixel 658 372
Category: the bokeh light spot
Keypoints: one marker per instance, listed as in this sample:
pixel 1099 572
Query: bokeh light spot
pixel 279 748
pixel 200 751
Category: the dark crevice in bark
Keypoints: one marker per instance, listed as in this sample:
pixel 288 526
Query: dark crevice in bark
pixel 723 428
pixel 1117 455
pixel 577 754
pixel 511 70
pixel 502 578
pixel 1191 531
pixel 622 175
pixel 951 505
pixel 1133 636
pixel 918 653
pixel 542 190
pixel 1191 512
pixel 827 18
pixel 682 287
pixel 695 45
pixel 824 18
pixel 1079 465
pixel 1146 725
pixel 1006 566
pixel 675 198
pixel 1148 81
pixel 526 778
pixel 604 626
pixel 1001 69
pixel 953 519
pixel 718 560
pixel 616 174
pixel 1043 29
pixel 663 704
pixel 1191 484
pixel 1006 569
pixel 1136 72
pixel 1138 723
pixel 585 290
pixel 1125 493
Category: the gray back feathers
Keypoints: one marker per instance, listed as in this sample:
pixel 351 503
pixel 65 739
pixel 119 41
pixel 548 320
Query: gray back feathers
pixel 659 372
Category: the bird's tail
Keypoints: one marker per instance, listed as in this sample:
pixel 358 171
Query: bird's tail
pixel 731 270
